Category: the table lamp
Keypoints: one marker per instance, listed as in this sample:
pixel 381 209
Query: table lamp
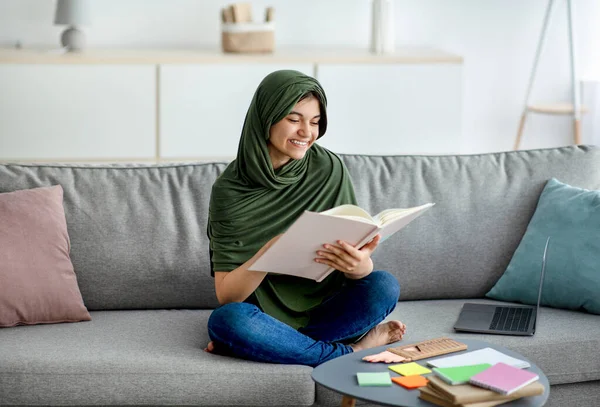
pixel 73 13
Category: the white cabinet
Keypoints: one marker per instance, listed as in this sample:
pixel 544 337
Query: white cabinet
pixel 202 107
pixel 181 105
pixel 77 112
pixel 393 108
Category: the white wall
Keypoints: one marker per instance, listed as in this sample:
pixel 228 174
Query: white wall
pixel 497 38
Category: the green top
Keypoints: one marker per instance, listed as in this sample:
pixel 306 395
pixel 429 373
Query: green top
pixel 251 202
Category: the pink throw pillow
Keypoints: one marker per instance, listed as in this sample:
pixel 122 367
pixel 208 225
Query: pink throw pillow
pixel 37 281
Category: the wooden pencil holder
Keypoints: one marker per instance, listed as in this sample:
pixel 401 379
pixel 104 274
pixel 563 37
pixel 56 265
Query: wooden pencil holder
pixel 248 37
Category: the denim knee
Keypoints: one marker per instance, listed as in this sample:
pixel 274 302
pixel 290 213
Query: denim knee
pixel 386 285
pixel 231 316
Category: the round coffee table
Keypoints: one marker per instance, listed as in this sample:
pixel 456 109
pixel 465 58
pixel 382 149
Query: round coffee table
pixel 339 375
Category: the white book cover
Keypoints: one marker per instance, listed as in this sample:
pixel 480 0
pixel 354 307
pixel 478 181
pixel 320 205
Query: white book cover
pixel 485 355
pixel 295 251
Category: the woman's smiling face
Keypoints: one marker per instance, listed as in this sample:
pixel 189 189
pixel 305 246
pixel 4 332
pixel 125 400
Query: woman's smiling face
pixel 291 137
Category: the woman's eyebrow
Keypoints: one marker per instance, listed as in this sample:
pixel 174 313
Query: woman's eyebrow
pixel 301 115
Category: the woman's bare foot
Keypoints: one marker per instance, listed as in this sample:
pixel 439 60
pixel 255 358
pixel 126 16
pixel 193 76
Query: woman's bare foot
pixel 382 334
pixel 210 347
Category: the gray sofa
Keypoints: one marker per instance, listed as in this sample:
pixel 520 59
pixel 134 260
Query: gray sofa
pixel 140 252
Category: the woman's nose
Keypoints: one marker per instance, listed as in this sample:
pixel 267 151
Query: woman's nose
pixel 305 130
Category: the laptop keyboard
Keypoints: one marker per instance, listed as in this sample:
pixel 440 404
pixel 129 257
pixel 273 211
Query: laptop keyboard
pixel 511 319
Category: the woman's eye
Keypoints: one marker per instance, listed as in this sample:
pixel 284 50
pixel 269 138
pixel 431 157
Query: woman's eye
pixel 294 120
pixel 314 124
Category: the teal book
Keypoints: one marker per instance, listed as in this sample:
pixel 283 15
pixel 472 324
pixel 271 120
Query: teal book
pixel 459 374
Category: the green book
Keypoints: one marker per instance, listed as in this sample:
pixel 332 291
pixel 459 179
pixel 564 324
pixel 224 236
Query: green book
pixel 374 379
pixel 459 374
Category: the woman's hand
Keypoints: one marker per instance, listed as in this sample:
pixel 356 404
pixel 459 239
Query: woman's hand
pixel 355 263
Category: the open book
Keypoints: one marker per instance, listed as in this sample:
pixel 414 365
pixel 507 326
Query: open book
pixel 296 249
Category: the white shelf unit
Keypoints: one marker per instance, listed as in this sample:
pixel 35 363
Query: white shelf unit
pixel 189 105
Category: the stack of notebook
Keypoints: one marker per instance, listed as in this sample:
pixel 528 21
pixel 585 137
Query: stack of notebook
pixel 443 394
pixel 482 378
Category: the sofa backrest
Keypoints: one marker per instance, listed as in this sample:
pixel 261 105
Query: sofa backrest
pixel 484 202
pixel 138 232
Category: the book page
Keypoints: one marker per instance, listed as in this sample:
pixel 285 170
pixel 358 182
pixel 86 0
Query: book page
pixel 295 251
pixel 394 223
pixel 350 212
pixel 356 218
pixel 390 215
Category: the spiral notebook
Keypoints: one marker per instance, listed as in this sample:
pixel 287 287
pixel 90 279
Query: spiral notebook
pixel 503 378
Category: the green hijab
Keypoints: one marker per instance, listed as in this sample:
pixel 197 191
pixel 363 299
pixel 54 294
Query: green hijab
pixel 251 202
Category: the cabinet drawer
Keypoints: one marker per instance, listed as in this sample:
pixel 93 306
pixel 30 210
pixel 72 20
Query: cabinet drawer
pixel 77 112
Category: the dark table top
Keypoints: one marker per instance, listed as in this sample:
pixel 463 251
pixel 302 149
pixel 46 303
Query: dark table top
pixel 339 375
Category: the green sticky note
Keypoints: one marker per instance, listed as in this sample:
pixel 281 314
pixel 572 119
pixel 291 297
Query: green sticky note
pixel 409 369
pixel 374 379
pixel 459 374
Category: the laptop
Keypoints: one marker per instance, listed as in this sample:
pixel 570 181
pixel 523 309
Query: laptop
pixel 502 319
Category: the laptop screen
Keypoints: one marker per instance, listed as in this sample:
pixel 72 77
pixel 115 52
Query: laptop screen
pixel 544 256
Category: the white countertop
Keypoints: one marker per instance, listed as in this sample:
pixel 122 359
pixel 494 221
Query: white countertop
pixel 403 55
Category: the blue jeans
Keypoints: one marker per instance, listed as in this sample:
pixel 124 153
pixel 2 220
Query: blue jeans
pixel 243 330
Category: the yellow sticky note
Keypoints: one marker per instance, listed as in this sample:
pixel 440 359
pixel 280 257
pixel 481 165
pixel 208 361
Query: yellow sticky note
pixel 409 369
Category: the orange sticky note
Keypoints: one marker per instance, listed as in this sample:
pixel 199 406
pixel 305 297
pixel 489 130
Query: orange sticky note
pixel 410 382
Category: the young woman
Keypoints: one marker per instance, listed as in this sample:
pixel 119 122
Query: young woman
pixel 278 173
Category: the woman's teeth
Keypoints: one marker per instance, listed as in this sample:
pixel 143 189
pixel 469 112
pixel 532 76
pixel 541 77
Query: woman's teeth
pixel 299 143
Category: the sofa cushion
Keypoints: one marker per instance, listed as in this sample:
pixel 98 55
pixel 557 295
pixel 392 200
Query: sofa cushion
pixel 139 354
pixel 564 345
pixel 571 217
pixel 484 203
pixel 152 357
pixel 37 281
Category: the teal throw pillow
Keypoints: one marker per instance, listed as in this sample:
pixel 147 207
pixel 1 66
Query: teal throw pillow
pixel 571 217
